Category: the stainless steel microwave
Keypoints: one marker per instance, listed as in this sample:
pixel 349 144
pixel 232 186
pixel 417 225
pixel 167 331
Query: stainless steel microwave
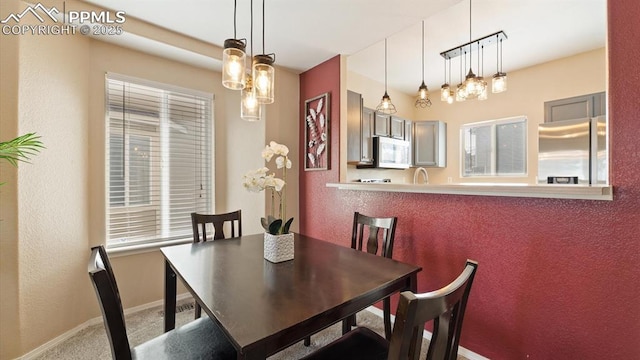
pixel 389 153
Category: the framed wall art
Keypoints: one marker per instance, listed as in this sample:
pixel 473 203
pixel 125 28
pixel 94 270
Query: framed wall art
pixel 316 133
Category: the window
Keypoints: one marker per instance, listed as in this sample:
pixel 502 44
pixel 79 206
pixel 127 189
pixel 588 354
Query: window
pixel 158 160
pixel 495 148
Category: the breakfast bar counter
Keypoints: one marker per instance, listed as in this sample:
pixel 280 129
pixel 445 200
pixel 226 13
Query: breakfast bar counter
pixel 553 191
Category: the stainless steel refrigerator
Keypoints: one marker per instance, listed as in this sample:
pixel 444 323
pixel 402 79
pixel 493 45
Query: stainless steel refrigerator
pixel 573 149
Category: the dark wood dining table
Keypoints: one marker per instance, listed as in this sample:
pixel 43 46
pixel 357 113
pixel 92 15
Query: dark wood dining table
pixel 264 307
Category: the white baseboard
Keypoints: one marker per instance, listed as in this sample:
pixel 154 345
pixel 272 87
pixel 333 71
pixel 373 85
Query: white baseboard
pixel 427 335
pixel 97 320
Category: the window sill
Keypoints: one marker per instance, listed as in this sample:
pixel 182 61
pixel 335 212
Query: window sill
pixel 581 192
pixel 143 248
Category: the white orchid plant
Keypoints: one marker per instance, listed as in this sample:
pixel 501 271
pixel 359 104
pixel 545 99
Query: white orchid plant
pixel 261 179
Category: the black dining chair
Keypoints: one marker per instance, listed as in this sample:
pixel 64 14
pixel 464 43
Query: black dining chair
pixel 379 233
pixel 199 223
pixel 445 306
pixel 199 339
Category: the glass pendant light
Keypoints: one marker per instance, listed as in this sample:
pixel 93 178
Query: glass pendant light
pixel 473 88
pixel 480 78
pixel 250 109
pixel 386 106
pixel 499 81
pixel 445 89
pixel 423 92
pixel 461 89
pixel 264 73
pixel 234 59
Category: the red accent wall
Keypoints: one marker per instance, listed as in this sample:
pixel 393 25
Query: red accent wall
pixel 557 279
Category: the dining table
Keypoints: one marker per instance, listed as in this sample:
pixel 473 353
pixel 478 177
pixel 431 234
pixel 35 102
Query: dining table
pixel 264 307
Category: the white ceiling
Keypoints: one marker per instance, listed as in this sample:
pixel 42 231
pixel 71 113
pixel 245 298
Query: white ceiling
pixel 303 34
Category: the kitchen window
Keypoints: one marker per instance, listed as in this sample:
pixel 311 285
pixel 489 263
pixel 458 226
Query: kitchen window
pixel 158 160
pixel 495 148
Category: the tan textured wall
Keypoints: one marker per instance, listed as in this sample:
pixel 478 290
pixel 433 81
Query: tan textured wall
pixel 9 319
pixel 52 194
pixel 528 89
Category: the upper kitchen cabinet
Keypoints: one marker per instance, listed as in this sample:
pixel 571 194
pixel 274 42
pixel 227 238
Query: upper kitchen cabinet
pixel 382 125
pixel 430 143
pixel 359 130
pixel 578 107
pixel 397 128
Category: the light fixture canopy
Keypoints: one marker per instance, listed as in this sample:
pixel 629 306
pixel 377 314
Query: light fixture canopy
pixel 386 106
pixel 423 100
pixel 234 59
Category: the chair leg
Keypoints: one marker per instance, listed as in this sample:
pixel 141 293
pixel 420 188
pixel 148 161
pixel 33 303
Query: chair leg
pixel 307 341
pixel 197 310
pixel 386 309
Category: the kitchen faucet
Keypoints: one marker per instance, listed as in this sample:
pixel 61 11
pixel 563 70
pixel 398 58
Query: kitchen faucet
pixel 419 171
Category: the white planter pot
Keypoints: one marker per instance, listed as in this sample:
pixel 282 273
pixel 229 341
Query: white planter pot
pixel 278 248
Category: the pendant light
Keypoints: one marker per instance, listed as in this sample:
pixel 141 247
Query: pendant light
pixel 234 59
pixel 264 73
pixel 499 81
pixel 473 87
pixel 386 106
pixel 445 88
pixel 250 109
pixel 423 92
pixel 484 94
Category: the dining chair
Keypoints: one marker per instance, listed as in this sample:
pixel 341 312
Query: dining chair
pixel 199 339
pixel 377 243
pixel 445 306
pixel 199 223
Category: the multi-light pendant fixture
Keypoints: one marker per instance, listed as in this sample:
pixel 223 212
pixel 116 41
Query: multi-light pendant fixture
pixel 474 86
pixel 257 83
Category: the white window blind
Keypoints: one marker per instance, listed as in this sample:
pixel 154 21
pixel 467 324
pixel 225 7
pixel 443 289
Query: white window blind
pixel 495 148
pixel 158 160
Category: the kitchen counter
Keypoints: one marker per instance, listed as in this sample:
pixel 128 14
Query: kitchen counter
pixel 583 192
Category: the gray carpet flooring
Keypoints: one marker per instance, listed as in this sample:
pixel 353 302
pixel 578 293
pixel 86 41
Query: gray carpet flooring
pixel 92 342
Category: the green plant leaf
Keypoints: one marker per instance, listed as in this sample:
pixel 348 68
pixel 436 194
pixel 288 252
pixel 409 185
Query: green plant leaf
pixel 287 225
pixel 265 224
pixel 20 148
pixel 274 227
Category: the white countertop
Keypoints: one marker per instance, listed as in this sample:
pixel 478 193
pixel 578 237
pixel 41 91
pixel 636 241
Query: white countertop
pixel 584 192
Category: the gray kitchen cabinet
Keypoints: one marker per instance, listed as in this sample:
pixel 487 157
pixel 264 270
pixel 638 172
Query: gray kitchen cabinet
pixel 397 127
pixel 577 107
pixel 382 125
pixel 430 143
pixel 359 130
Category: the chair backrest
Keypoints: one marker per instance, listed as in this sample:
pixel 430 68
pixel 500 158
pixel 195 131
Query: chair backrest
pixel 365 224
pixel 200 221
pixel 104 283
pixel 445 307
